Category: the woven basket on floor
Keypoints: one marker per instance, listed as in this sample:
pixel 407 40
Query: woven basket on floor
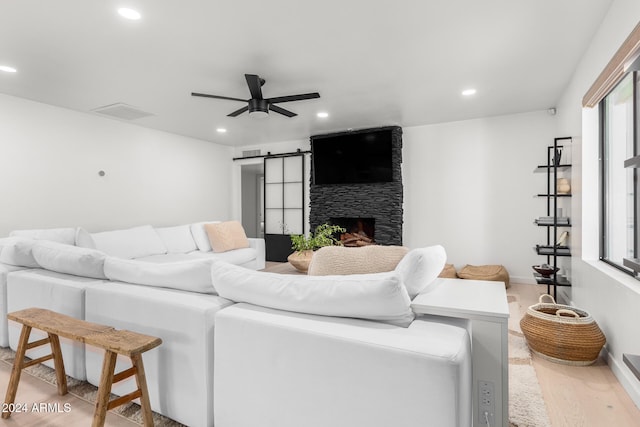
pixel 562 333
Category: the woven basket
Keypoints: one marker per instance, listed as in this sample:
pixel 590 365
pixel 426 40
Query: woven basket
pixel 562 333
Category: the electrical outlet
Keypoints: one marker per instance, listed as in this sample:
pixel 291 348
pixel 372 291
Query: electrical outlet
pixel 486 403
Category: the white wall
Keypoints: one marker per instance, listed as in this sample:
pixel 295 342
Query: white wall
pixel 49 163
pixel 612 297
pixel 469 186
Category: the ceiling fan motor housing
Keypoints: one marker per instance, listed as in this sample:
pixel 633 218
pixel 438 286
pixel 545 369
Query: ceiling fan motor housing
pixel 256 105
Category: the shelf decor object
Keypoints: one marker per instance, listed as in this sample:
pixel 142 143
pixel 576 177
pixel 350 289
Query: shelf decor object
pixel 545 271
pixel 557 188
pixel 562 333
pixel 563 186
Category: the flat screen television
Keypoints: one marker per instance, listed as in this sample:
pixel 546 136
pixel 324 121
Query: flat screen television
pixel 352 158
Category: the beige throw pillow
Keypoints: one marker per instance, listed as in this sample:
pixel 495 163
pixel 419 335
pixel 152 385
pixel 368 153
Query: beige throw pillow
pixel 226 236
pixel 331 260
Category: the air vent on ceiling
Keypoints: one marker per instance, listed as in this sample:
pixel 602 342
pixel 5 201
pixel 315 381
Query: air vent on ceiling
pixel 251 153
pixel 122 111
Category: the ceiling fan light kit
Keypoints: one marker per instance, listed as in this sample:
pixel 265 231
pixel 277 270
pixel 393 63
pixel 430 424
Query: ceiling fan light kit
pixel 257 105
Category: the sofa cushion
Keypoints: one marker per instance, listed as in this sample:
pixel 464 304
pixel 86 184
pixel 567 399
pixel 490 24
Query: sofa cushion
pixel 84 239
pixel 237 256
pixel 200 235
pixel 165 258
pixel 367 259
pixel 178 240
pixel 380 296
pixel 61 235
pixel 69 259
pixel 420 267
pixel 192 275
pixel 17 251
pixel 130 243
pixel 226 236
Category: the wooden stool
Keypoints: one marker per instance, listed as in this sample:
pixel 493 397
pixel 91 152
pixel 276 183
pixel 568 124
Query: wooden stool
pixel 113 341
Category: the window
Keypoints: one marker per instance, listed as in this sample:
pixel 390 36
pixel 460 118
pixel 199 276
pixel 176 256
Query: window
pixel 619 173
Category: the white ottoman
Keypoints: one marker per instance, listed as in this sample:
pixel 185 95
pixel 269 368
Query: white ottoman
pixel 180 371
pixel 5 269
pixel 59 292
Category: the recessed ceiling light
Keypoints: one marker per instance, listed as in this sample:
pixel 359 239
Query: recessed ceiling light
pixel 221 130
pixel 323 114
pixel 469 92
pixel 7 69
pixel 129 13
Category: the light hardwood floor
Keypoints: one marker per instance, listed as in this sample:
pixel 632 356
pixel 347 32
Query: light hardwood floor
pixel 575 396
pixel 579 396
pixel 32 391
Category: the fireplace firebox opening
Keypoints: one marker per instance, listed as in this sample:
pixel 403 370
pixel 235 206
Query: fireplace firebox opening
pixel 359 231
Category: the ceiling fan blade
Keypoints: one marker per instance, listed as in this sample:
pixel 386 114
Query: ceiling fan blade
pixel 217 97
pixel 289 98
pixel 282 111
pixel 255 84
pixel 238 112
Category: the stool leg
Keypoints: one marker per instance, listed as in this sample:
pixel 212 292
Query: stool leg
pixel 12 388
pixel 104 390
pixel 141 381
pixel 61 375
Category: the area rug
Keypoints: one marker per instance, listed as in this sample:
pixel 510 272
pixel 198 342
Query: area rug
pixel 526 404
pixel 87 392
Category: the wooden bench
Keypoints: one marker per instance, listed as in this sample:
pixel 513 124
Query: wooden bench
pixel 113 341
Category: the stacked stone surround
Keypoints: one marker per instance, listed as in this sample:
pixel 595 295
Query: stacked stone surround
pixel 381 201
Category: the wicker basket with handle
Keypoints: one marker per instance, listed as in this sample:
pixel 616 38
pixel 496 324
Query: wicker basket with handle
pixel 562 333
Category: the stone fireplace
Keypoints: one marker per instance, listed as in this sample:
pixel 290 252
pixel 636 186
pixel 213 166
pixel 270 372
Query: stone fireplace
pixel 378 205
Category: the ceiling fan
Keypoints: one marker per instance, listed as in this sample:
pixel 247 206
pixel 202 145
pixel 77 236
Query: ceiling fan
pixel 259 106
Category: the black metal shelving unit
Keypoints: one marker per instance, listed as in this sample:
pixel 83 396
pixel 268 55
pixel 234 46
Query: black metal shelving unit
pixel 551 250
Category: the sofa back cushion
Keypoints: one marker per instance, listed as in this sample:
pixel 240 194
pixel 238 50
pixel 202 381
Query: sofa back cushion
pixel 61 235
pixel 69 259
pixel 226 236
pixel 200 235
pixel 84 239
pixel 420 267
pixel 17 251
pixel 178 239
pixel 380 296
pixel 192 275
pixel 130 243
pixel 367 259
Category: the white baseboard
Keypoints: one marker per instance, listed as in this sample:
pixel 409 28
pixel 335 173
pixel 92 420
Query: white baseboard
pixel 527 280
pixel 629 382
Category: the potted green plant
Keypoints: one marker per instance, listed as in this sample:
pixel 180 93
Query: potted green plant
pixel 304 246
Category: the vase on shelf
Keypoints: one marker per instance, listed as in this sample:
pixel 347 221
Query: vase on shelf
pixel 563 186
pixel 557 156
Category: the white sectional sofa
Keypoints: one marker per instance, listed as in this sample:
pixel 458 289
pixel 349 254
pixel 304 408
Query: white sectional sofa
pixel 303 370
pixel 357 357
pixel 63 290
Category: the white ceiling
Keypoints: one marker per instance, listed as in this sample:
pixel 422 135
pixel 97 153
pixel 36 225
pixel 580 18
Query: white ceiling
pixel 374 62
